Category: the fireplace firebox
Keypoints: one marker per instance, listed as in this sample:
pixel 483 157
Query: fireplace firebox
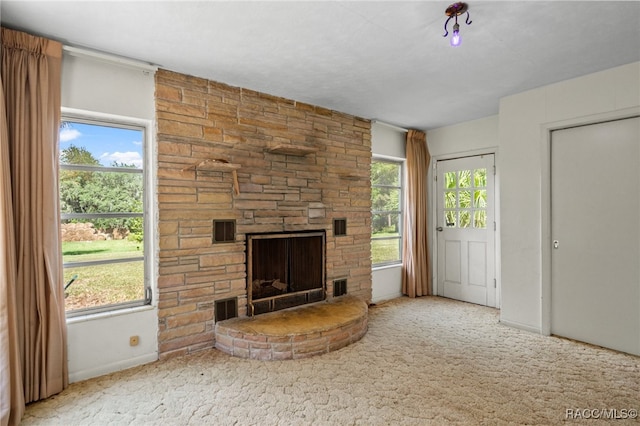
pixel 284 270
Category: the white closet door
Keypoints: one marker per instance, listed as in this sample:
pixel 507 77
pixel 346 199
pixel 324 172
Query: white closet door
pixel 595 225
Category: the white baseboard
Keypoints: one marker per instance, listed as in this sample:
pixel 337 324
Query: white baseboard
pixel 385 297
pixel 520 326
pixel 78 376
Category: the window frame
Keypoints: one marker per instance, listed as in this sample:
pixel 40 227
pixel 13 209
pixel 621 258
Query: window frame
pixel 400 212
pixel 130 123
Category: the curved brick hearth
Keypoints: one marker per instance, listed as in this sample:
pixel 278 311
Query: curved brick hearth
pixel 295 333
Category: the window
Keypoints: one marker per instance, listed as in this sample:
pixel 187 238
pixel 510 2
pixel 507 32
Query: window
pixel 465 199
pixel 102 193
pixel 386 206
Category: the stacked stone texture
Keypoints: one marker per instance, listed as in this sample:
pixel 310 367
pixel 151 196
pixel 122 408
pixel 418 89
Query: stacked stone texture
pixel 294 346
pixel 201 120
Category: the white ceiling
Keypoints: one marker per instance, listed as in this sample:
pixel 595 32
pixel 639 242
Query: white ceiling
pixel 384 60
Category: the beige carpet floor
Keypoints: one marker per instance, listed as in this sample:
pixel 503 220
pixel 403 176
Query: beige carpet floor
pixel 424 361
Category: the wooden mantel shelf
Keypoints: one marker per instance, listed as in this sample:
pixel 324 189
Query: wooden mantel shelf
pixel 218 165
pixel 350 174
pixel 290 149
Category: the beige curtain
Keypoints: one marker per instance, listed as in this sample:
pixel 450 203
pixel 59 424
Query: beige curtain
pixel 416 264
pixel 12 396
pixel 36 331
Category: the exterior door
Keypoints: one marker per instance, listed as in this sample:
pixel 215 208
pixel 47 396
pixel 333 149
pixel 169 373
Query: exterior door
pixel 595 232
pixel 466 229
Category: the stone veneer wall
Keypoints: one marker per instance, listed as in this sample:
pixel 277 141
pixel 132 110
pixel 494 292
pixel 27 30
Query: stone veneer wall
pixel 199 119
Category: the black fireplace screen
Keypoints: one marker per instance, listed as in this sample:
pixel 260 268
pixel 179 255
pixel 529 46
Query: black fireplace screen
pixel 284 270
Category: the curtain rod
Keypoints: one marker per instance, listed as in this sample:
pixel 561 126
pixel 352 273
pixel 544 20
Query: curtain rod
pixel 120 60
pixel 391 126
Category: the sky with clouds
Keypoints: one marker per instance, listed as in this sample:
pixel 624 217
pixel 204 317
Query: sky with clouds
pixel 106 144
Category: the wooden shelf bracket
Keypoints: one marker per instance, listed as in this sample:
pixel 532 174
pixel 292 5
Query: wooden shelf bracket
pixel 220 165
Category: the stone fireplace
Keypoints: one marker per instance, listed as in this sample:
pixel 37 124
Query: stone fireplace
pixel 235 165
pixel 284 270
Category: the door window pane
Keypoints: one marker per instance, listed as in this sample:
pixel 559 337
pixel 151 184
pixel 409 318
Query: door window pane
pixel 465 199
pixel 480 198
pixel 450 180
pixel 465 219
pixel 480 219
pixel 464 178
pixel 450 218
pixel 480 178
pixel 450 200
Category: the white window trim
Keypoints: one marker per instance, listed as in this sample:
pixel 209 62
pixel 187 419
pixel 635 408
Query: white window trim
pixel 402 162
pixel 150 207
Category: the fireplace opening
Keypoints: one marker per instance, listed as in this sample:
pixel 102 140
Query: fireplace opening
pixel 284 270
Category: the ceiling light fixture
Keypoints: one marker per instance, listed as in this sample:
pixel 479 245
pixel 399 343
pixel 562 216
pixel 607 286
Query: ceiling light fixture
pixel 453 11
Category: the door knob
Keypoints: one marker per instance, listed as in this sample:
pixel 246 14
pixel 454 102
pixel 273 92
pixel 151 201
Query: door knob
pixel 556 243
pixel 439 229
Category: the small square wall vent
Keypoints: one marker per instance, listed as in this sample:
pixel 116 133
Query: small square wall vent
pixel 339 227
pixel 339 287
pixel 226 308
pixel 224 231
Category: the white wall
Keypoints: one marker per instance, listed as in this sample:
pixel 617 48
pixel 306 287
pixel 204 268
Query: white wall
pixel 387 142
pixel 460 140
pixel 477 136
pixel 99 343
pixel 524 123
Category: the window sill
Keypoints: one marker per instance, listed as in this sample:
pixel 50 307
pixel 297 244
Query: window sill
pixel 386 266
pixel 109 314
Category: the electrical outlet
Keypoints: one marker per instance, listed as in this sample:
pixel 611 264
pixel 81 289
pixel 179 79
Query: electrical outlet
pixel 134 340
